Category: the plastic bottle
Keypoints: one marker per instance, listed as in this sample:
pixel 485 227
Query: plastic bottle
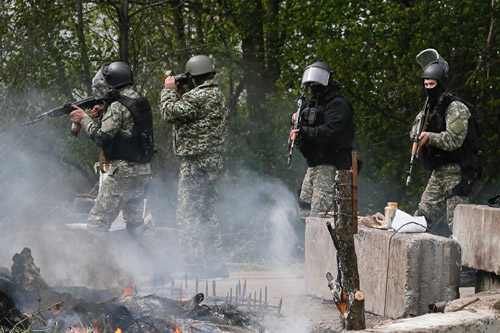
pixel 389 213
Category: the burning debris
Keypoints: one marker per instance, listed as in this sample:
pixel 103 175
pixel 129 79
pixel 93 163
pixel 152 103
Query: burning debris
pixel 25 274
pixel 39 306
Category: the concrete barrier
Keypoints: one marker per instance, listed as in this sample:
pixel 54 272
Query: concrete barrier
pixel 478 313
pixel 477 229
pixel 400 274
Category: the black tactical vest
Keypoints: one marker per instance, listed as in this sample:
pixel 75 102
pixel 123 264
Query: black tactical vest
pixel 139 147
pixel 337 153
pixel 434 157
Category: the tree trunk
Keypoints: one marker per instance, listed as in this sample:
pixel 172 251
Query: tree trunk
pixel 123 27
pixel 83 48
pixel 274 43
pixel 180 40
pixel 350 300
pixel 252 44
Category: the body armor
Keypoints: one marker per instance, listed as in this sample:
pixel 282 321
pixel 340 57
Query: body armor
pixel 139 147
pixel 336 152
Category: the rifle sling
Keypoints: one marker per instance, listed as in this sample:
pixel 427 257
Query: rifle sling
pixel 103 166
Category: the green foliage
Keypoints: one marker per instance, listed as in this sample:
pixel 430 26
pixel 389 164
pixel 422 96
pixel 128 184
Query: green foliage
pixel 370 45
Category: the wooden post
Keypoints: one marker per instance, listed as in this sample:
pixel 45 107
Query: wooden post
pixel 354 172
pixel 348 298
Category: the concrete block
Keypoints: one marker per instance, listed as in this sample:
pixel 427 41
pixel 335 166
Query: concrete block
pixel 400 274
pixel 480 315
pixel 486 281
pixel 477 229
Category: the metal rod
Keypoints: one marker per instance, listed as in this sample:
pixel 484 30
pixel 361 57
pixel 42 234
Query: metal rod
pixel 254 299
pixel 260 298
pixel 279 306
pixel 230 295
pixel 213 288
pixel 245 288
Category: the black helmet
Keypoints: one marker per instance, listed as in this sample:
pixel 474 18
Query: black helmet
pixel 437 72
pixel 317 72
pixel 115 74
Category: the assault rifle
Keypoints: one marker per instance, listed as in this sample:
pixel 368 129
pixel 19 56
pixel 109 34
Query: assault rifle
pixel 67 108
pixel 295 125
pixel 422 125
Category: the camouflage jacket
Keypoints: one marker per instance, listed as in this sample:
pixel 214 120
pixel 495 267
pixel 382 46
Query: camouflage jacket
pixel 117 119
pixel 456 117
pixel 199 118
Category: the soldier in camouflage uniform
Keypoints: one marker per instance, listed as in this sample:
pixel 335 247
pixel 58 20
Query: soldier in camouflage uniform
pixel 325 139
pixel 129 171
pixel 199 119
pixel 442 144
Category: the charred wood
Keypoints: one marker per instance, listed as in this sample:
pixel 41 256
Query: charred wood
pixel 345 290
pixel 10 315
pixel 25 274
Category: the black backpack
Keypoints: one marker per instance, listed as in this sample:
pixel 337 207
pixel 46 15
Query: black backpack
pixel 471 163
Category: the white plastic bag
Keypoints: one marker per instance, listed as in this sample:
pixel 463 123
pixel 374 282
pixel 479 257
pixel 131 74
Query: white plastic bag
pixel 404 222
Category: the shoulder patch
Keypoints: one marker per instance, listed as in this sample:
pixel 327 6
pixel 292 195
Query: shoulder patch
pixel 456 124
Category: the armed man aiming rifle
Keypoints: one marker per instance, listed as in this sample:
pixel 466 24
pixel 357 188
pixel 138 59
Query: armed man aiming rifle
pixel 125 136
pixel 325 133
pixel 196 107
pixel 446 135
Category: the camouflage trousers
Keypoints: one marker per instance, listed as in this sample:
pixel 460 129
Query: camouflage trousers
pixel 198 228
pixel 119 191
pixel 433 199
pixel 317 192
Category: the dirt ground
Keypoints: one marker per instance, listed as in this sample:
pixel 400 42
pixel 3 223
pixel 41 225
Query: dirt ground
pixel 300 313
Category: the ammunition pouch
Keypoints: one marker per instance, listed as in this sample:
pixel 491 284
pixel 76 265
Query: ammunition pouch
pixel 101 140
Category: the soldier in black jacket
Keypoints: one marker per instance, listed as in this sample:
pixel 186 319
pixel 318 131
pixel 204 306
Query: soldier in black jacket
pixel 325 138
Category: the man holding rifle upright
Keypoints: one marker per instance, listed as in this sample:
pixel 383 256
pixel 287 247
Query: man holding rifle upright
pixel 442 140
pixel 325 134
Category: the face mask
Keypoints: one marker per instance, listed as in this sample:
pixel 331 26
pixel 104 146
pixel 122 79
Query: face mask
pixel 318 88
pixel 434 93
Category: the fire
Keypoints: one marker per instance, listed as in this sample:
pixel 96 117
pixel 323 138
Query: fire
pixel 127 291
pixel 177 330
pixel 118 330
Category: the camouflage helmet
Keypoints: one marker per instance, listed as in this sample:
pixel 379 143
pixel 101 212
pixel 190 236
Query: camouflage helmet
pixel 115 74
pixel 199 65
pixel 437 72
